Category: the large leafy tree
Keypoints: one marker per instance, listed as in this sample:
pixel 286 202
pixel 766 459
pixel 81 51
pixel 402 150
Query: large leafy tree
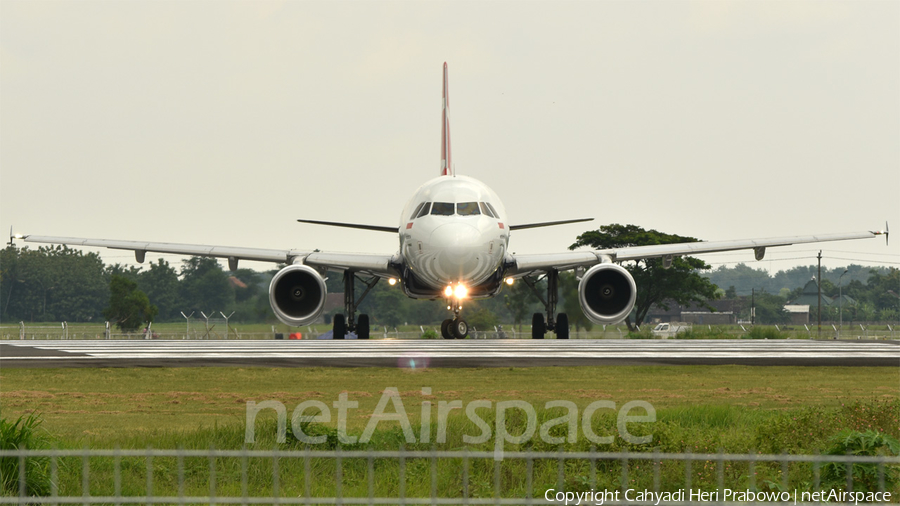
pixel 129 308
pixel 568 287
pixel 51 284
pixel 205 286
pixel 681 283
pixel 521 302
pixel 160 283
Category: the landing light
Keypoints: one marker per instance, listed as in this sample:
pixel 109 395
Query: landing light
pixel 448 291
pixel 510 281
pixel 392 281
pixel 461 291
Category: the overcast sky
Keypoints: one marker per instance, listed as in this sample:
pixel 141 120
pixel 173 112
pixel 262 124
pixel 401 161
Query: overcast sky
pixel 223 122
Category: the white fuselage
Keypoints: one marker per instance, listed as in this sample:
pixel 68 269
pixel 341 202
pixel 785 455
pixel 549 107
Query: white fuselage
pixel 454 231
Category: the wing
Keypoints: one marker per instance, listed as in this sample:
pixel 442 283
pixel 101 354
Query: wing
pixel 547 224
pixel 526 264
pixel 379 265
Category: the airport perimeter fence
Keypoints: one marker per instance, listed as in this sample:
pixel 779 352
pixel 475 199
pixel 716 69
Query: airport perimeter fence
pixel 62 331
pixel 154 476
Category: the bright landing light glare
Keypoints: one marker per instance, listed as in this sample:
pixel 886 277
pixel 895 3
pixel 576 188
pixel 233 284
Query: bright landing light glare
pixel 459 292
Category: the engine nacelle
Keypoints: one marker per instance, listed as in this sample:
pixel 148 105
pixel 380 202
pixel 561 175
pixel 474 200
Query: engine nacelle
pixel 607 293
pixel 297 295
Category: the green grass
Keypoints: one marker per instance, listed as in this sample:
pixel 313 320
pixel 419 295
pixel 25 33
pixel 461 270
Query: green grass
pixel 24 433
pixel 107 405
pixel 699 429
pixel 699 408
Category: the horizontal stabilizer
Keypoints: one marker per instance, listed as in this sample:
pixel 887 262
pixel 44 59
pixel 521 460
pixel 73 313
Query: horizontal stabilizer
pixel 547 224
pixel 353 225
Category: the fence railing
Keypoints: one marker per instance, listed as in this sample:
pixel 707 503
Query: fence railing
pixel 63 331
pixel 155 476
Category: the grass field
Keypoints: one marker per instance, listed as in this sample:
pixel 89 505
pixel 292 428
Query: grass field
pixel 699 409
pixel 114 406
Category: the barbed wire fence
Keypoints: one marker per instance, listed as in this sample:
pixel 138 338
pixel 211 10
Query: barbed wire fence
pixel 217 330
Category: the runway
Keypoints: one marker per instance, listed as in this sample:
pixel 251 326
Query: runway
pixel 444 353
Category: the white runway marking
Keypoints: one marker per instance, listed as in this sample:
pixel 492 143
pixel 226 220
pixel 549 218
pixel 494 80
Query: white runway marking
pixel 461 350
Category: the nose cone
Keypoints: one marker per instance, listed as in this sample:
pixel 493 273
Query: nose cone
pixel 456 245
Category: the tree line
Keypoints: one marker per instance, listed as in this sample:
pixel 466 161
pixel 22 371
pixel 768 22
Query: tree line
pixel 875 292
pixel 57 283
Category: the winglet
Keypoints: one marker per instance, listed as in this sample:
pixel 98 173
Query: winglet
pixel 446 163
pixel 886 233
pixel 13 237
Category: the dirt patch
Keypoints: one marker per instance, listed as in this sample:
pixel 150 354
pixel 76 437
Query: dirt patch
pixel 28 394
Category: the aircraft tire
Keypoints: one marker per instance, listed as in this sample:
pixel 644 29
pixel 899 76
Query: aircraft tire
pixel 459 328
pixel 562 326
pixel 445 329
pixel 538 327
pixel 362 327
pixel 340 327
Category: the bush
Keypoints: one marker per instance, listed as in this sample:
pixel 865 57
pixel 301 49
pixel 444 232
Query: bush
pixel 865 476
pixel 644 333
pixel 23 434
pixel 764 333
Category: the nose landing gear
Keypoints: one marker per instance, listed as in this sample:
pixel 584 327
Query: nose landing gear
pixel 455 328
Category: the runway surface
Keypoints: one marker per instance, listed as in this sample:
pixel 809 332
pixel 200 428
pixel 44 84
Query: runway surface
pixel 444 353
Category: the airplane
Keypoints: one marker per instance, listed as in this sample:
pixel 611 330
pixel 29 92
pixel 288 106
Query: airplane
pixel 454 244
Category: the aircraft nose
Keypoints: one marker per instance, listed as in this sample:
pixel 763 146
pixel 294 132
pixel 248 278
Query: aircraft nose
pixel 456 245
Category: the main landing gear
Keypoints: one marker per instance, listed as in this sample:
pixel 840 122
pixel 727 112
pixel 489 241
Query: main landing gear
pixel 349 323
pixel 456 327
pixel 561 324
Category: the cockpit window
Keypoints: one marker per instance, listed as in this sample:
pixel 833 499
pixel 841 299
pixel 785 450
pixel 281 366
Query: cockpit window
pixel 467 208
pixel 416 212
pixel 493 211
pixel 485 210
pixel 425 208
pixel 443 208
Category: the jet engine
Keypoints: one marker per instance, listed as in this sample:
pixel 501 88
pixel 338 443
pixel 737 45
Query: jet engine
pixel 297 295
pixel 606 293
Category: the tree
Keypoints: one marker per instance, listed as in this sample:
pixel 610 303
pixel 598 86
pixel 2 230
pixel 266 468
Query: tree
pixel 520 301
pixel 387 307
pixel 51 283
pixel 482 319
pixel 770 309
pixel 568 287
pixel 205 286
pixel 160 283
pixel 681 283
pixel 129 308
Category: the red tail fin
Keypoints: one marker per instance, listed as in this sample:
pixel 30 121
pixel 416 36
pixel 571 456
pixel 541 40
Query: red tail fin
pixel 446 165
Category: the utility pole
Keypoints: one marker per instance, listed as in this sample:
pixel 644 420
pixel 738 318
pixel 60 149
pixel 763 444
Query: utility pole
pixel 841 304
pixel 752 306
pixel 819 285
